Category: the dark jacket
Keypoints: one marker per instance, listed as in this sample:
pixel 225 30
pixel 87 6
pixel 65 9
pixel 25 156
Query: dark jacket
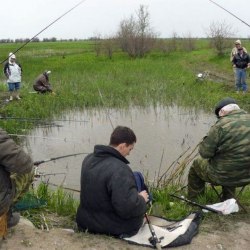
pixel 227 147
pixel 109 200
pixel 241 62
pixel 12 160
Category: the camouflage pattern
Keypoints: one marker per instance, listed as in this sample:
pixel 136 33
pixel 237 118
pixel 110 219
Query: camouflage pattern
pixel 16 171
pixel 197 178
pixel 226 154
pixel 21 182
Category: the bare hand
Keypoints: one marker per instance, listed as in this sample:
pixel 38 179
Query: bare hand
pixel 145 195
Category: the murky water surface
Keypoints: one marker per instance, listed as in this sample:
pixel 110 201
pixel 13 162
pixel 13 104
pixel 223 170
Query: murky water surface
pixel 163 134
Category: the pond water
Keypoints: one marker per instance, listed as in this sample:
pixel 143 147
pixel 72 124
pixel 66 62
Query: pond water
pixel 163 134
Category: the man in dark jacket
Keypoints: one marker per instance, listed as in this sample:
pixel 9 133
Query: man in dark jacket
pixel 109 200
pixel 16 175
pixel 241 62
pixel 225 152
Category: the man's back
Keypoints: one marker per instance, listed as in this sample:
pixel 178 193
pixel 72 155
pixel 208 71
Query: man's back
pixel 109 201
pixel 227 147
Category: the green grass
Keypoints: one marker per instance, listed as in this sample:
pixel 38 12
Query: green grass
pixel 80 78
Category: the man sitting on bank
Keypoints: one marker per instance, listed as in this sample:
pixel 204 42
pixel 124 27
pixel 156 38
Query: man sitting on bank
pixel 110 202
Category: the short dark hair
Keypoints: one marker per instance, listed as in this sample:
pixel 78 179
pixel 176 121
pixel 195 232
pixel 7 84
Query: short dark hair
pixel 122 135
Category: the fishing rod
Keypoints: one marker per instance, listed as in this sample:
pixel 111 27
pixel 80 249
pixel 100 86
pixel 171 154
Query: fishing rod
pixel 66 188
pixel 229 12
pixel 36 163
pixel 75 6
pixel 44 137
pixel 196 204
pixel 153 239
pixel 37 119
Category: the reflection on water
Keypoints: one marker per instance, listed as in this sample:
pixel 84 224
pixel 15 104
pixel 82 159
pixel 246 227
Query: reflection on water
pixel 163 133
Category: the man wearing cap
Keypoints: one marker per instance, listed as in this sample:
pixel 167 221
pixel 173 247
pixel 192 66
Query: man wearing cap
pixel 234 51
pixel 42 84
pixel 225 152
pixel 13 73
pixel 241 62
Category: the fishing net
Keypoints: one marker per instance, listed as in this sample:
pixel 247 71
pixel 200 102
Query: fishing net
pixel 29 201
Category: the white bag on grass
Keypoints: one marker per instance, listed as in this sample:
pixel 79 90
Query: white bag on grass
pixel 226 207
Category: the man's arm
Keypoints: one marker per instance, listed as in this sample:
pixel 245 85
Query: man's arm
pixel 12 157
pixel 209 145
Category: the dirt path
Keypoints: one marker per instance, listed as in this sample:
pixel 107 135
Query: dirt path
pixel 25 236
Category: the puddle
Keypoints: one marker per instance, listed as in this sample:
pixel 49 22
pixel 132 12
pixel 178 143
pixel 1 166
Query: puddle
pixel 163 134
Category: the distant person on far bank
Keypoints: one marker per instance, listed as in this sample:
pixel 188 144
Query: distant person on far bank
pixel 13 73
pixel 235 49
pixel 241 62
pixel 42 84
pixel 237 45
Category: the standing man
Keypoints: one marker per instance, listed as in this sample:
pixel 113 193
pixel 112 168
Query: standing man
pixel 13 73
pixel 16 175
pixel 241 62
pixel 225 152
pixel 234 51
pixel 109 200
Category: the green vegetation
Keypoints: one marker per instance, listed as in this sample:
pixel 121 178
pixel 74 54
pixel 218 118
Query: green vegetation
pixel 81 79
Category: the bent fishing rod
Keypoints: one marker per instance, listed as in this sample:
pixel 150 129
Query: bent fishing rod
pixel 36 163
pixel 75 6
pixel 229 12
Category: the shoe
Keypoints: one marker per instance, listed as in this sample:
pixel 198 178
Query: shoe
pixel 13 219
pixel 18 97
pixel 11 98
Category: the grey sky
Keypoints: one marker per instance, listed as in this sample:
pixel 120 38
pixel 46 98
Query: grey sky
pixel 25 18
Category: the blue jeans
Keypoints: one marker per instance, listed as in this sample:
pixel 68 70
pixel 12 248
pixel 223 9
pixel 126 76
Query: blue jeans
pixel 241 79
pixel 14 86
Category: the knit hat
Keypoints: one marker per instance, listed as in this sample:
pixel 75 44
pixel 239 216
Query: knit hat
pixel 223 103
pixel 238 42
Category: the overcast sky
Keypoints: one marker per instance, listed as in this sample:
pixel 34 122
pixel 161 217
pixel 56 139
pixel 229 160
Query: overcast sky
pixel 25 18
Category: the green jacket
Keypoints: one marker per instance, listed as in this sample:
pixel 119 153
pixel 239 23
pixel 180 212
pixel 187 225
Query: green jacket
pixel 227 148
pixel 13 159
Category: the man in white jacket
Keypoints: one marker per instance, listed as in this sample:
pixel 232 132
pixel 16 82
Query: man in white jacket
pixel 13 73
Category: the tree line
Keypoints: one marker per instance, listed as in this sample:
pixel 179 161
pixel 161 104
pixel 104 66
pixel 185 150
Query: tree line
pixel 136 37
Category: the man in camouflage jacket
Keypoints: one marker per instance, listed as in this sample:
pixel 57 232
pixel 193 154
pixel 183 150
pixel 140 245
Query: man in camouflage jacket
pixel 16 173
pixel 225 152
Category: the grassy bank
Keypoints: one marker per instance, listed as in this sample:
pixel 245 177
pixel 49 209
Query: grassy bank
pixel 81 79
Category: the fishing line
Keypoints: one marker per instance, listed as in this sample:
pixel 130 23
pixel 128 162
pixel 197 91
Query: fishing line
pixel 45 29
pixel 48 138
pixel 229 12
pixel 38 119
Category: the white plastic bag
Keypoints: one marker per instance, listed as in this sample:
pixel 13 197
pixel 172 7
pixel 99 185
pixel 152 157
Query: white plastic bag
pixel 226 207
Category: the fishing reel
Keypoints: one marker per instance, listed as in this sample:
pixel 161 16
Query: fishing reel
pixel 154 240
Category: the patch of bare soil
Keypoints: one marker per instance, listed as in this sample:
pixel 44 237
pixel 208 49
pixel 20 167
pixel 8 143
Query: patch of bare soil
pixel 234 235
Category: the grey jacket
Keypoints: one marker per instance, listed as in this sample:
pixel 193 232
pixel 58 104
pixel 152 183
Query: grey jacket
pixel 12 160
